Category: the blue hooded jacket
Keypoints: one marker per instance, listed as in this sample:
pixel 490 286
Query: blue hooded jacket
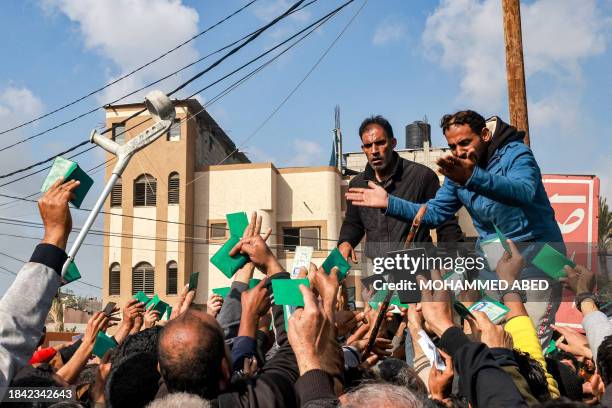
pixel 507 192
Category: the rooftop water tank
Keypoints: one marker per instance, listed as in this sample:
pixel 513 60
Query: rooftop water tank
pixel 416 133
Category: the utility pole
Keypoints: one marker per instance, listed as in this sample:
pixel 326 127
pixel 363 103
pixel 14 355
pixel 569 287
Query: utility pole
pixel 515 68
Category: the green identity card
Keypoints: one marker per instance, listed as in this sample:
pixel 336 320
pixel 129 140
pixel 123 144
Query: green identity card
pixel 335 258
pixel 287 291
pixel 103 344
pixel 141 297
pixel 227 264
pixel 552 262
pixel 69 170
pixel 237 223
pixel 223 292
pixel 193 280
pixel 494 310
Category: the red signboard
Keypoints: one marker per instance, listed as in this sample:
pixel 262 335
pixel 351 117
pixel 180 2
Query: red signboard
pixel 575 201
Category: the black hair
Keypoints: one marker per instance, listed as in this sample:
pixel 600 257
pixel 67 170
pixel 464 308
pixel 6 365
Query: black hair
pixel 144 341
pixel 377 120
pixel 398 372
pixel 466 117
pixel 41 376
pixel 195 369
pixel 133 381
pixel 604 360
pixel 534 374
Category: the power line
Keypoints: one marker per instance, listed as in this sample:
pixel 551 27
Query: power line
pixel 276 110
pixel 95 91
pixel 248 38
pixel 318 22
pixel 299 83
pixel 226 91
pixel 24 262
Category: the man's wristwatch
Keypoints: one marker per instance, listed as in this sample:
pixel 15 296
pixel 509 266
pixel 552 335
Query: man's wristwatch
pixel 519 292
pixel 581 297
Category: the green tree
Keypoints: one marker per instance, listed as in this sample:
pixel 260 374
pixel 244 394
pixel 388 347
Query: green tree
pixel 604 244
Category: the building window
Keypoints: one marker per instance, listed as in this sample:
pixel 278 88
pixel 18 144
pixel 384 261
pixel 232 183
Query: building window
pixel 171 278
pixel 116 194
pixel 145 191
pixel 173 188
pixel 114 279
pixel 303 236
pixel 119 133
pixel 143 279
pixel 217 231
pixel 174 133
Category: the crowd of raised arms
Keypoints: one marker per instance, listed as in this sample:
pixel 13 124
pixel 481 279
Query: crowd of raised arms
pixel 238 350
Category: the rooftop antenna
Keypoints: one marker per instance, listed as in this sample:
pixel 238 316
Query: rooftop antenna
pixel 161 108
pixel 338 139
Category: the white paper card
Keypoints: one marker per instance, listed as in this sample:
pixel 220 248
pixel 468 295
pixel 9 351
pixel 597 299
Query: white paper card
pixel 302 257
pixel 431 352
pixel 493 252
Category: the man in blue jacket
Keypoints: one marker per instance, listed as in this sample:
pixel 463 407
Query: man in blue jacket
pixel 495 176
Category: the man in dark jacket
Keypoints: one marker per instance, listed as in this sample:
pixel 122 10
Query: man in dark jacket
pixel 400 177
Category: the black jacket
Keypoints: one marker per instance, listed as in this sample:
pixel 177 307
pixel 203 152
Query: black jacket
pixel 410 181
pixel 481 379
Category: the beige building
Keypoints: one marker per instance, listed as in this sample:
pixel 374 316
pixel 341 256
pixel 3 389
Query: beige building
pixel 177 180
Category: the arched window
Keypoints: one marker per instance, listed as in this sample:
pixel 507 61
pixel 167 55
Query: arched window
pixel 117 194
pixel 145 190
pixel 173 188
pixel 143 279
pixel 171 278
pixel 114 279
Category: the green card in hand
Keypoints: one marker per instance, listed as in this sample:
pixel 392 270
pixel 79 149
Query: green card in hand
pixel 227 264
pixel 72 273
pixel 237 223
pixel 503 239
pixel 335 258
pixel 69 170
pixel 552 262
pixel 287 291
pixel 141 297
pixel 103 344
pixel 157 304
pixel 223 292
pixel 193 280
pixel 253 282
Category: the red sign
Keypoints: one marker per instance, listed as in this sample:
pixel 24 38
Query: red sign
pixel 575 201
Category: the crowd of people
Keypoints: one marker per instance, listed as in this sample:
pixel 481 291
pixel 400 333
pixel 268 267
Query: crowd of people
pixel 244 350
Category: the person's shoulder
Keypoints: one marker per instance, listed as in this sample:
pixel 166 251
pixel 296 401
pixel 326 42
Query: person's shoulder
pixel 358 180
pixel 515 148
pixel 419 169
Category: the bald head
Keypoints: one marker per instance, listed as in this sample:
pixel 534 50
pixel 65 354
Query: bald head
pixel 191 351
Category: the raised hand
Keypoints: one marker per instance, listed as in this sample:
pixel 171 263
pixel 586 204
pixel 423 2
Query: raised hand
pixel 304 328
pixel 375 196
pixel 55 214
pixel 214 305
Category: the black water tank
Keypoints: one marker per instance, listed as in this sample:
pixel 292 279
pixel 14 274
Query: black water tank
pixel 416 133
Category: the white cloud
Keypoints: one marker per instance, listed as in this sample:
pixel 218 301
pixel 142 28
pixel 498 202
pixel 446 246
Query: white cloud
pixel 557 36
pixel 307 153
pixel 388 31
pixel 131 32
pixel 17 105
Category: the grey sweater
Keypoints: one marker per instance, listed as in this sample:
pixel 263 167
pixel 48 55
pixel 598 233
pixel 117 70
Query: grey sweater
pixel 24 308
pixel 597 328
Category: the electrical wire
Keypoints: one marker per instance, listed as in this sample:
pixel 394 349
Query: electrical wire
pixel 121 78
pixel 247 39
pixel 317 23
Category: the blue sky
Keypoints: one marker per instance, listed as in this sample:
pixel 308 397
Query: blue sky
pixel 402 59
